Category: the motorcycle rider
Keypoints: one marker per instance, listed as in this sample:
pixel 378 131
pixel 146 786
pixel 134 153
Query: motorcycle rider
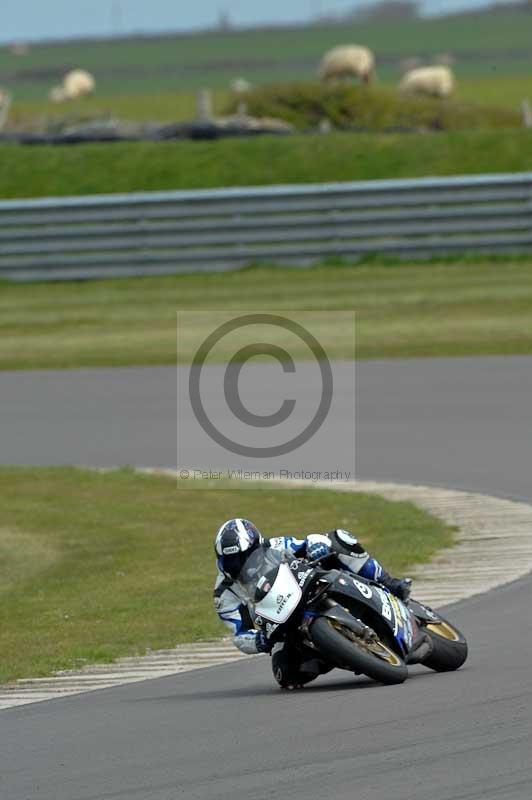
pixel 236 540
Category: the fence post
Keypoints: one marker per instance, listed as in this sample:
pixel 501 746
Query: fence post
pixel 526 113
pixel 204 111
pixel 5 107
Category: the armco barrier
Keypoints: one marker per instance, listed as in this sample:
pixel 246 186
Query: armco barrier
pixel 161 233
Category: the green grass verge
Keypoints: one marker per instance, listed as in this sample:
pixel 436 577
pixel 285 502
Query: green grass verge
pixel 433 309
pixel 129 167
pixel 97 566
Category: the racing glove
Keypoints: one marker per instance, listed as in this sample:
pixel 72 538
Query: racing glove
pixel 401 588
pixel 262 643
pixel 317 550
pixel 406 589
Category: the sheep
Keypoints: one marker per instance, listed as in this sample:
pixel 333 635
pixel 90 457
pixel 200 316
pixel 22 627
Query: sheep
pixel 57 94
pixel 240 86
pixel 431 81
pixel 77 83
pixel 19 48
pixel 348 61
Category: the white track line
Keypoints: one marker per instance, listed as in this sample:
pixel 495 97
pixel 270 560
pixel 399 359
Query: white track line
pixel 493 547
pixel 126 670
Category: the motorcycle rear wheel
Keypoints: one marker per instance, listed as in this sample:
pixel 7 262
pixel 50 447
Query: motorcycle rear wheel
pixel 347 651
pixel 449 647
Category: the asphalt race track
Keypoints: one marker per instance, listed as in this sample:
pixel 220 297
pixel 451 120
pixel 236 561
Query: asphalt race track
pixel 461 423
pixel 227 732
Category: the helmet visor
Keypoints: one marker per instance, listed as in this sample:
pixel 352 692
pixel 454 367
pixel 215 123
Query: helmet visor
pixel 231 565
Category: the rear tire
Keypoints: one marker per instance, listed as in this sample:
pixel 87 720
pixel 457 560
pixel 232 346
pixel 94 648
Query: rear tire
pixel 449 647
pixel 338 648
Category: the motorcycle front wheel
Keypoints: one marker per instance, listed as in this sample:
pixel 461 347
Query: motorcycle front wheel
pixel 449 647
pixel 346 650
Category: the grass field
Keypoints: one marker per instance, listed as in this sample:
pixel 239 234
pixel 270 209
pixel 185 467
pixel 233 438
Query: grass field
pixel 484 43
pixel 128 167
pixel 505 91
pixel 403 311
pixel 97 566
pixel 158 106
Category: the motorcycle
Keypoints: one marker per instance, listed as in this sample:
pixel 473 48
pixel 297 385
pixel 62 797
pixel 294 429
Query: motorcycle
pixel 346 621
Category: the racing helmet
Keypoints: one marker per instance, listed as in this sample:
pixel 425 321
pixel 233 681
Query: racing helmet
pixel 235 541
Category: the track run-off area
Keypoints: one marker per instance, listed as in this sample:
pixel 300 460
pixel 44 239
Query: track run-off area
pixel 226 731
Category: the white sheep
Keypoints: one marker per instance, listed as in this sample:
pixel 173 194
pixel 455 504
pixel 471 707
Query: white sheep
pixel 348 61
pixel 76 83
pixel 57 94
pixel 432 81
pixel 19 48
pixel 240 86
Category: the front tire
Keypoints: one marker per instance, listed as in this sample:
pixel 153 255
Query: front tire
pixel 339 645
pixel 449 647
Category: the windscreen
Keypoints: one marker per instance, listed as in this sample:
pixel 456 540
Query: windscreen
pixel 258 573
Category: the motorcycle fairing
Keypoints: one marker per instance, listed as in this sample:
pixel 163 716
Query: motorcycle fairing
pixel 388 607
pixel 423 613
pixel 282 599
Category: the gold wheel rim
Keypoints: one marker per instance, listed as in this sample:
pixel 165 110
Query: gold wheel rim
pixel 376 648
pixel 444 630
pixel 385 654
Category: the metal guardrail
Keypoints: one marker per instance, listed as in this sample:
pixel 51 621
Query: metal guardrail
pixel 161 233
